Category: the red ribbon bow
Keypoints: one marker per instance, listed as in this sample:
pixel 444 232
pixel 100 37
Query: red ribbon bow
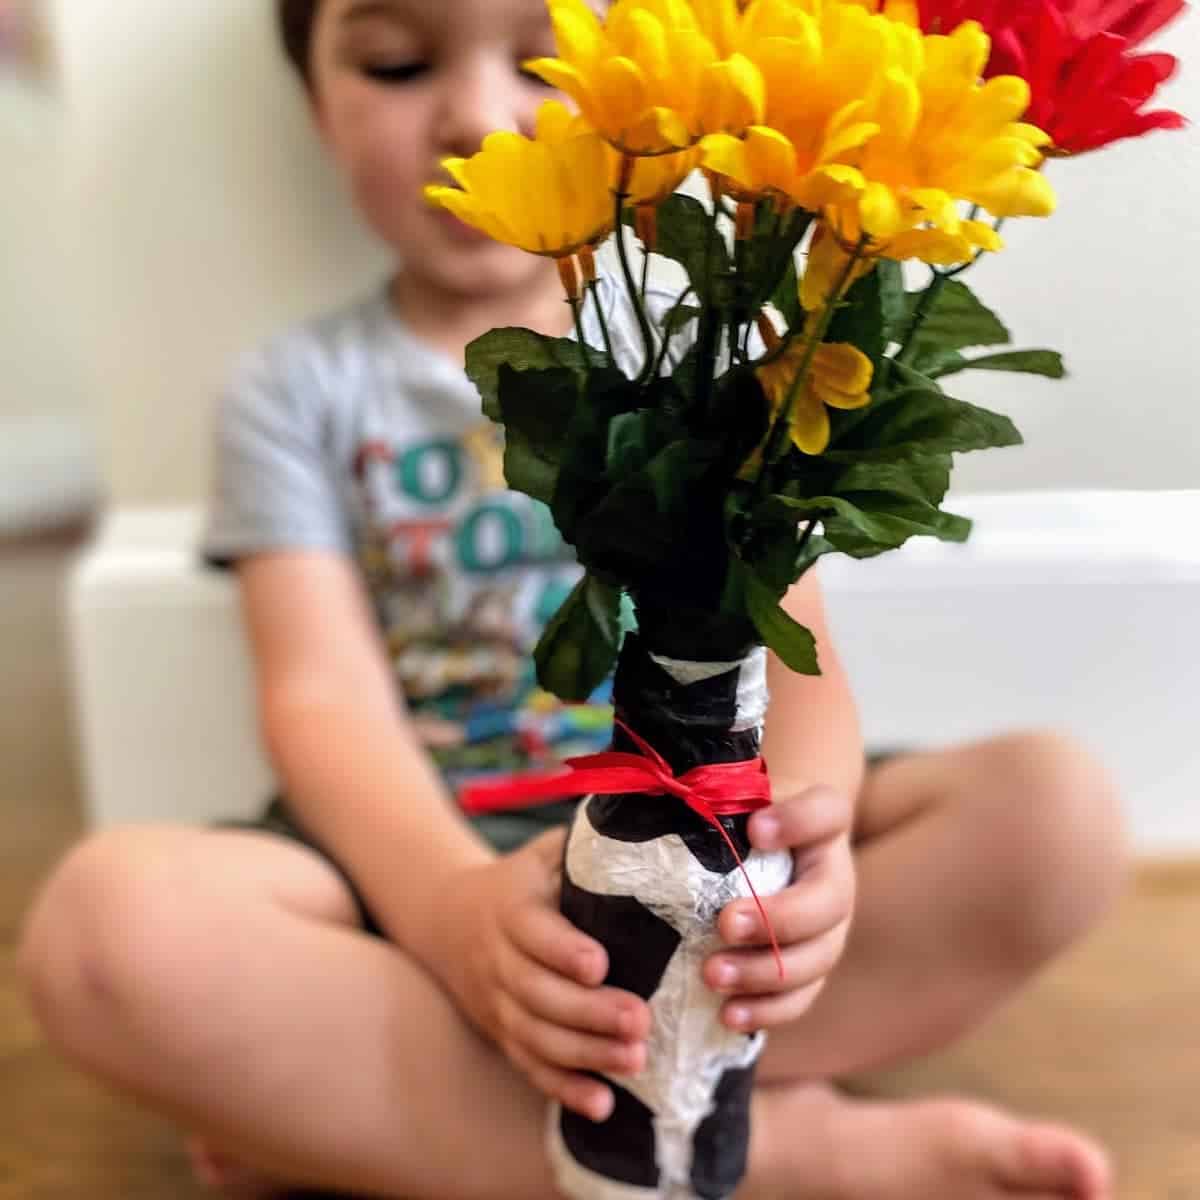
pixel 712 791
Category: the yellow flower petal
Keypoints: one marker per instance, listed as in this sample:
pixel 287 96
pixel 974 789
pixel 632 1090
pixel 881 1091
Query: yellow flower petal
pixel 843 367
pixel 655 178
pixel 880 211
pixel 810 425
pixel 732 96
pixel 654 75
pixel 454 168
pixel 1020 192
pixel 546 196
pixel 982 235
pixel 825 267
pixel 554 121
pixel 566 79
pixel 719 19
pixel 933 246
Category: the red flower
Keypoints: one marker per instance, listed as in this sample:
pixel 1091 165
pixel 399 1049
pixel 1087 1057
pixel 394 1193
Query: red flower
pixel 1087 88
pixel 1134 20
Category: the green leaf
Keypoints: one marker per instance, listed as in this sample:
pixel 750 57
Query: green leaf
pixel 786 298
pixel 579 645
pixel 909 424
pixel 536 408
pixel 1028 362
pixel 955 320
pixel 742 415
pixel 859 318
pixel 792 643
pixel 926 480
pixel 863 524
pixel 520 350
pixel 764 262
pixel 892 298
pixel 679 316
pixel 634 438
pixel 684 230
pixel 526 470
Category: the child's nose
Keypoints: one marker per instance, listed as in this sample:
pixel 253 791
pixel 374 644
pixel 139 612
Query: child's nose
pixel 474 102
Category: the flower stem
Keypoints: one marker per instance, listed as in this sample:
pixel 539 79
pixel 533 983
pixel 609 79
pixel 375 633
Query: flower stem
pixel 707 344
pixel 577 313
pixel 808 532
pixel 666 339
pixel 620 195
pixel 594 289
pixel 924 305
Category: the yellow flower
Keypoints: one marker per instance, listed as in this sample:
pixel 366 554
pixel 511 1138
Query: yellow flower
pixel 907 12
pixel 543 194
pixel 943 138
pixel 819 69
pixel 839 375
pixel 647 78
pixel 825 267
pixel 654 179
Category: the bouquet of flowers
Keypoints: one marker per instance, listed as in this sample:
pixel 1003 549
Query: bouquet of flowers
pixel 787 404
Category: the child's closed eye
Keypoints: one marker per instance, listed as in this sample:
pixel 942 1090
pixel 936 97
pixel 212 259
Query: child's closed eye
pixel 390 74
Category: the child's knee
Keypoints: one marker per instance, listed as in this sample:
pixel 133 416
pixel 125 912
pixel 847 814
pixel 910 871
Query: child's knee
pixel 98 947
pixel 1065 845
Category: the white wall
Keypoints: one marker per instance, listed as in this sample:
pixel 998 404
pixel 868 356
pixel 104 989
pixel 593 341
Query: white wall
pixel 1112 280
pixel 203 217
pixel 46 461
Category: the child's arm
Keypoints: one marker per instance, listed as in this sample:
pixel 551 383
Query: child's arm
pixel 812 732
pixel 487 927
pixel 336 731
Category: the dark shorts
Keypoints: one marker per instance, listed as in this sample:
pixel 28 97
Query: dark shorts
pixel 504 831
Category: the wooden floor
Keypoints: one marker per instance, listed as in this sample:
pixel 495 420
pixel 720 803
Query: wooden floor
pixel 1109 1038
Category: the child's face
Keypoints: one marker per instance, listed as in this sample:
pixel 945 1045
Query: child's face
pixel 401 84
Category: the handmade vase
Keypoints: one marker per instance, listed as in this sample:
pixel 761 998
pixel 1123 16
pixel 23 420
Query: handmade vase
pixel 648 877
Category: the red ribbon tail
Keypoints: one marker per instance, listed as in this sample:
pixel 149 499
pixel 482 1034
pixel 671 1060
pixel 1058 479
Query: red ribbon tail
pixel 762 912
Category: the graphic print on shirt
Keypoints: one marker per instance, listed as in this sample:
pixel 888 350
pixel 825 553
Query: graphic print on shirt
pixel 464 575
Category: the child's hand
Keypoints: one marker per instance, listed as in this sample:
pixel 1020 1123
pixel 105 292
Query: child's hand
pixel 811 917
pixel 531 981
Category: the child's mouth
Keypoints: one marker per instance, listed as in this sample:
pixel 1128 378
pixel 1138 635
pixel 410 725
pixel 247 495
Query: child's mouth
pixel 458 230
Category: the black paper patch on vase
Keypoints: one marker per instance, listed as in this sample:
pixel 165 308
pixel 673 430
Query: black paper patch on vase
pixel 722 1139
pixel 621 1148
pixel 640 943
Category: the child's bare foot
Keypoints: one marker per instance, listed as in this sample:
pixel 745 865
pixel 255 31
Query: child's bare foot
pixel 223 1173
pixel 812 1143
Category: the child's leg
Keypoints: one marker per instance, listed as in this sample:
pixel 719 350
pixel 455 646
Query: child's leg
pixel 216 976
pixel 976 864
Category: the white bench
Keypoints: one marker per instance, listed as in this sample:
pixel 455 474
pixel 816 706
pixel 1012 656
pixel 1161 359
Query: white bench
pixel 1078 610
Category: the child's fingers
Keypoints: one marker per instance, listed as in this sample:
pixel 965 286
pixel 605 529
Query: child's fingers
pixel 549 938
pixel 755 972
pixel 749 1013
pixel 818 901
pixel 568 1049
pixel 564 1002
pixel 818 814
pixel 588 1097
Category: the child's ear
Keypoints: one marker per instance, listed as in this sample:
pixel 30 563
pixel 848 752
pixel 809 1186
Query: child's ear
pixel 320 117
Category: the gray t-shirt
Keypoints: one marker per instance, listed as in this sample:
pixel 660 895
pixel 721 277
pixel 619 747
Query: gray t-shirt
pixel 350 434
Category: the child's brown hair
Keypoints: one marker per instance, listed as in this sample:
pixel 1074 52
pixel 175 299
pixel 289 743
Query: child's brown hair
pixel 297 19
